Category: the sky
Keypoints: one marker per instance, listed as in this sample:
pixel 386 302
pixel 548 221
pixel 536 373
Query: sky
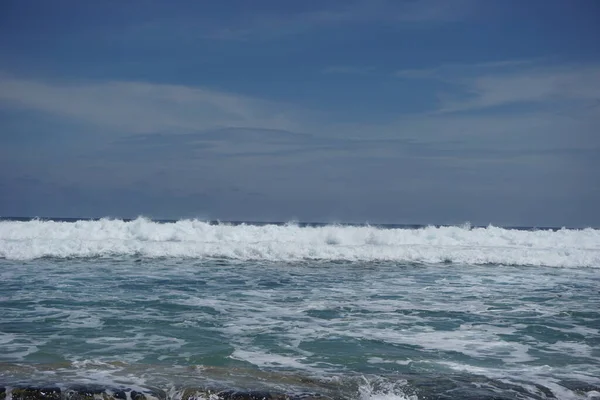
pixel 368 111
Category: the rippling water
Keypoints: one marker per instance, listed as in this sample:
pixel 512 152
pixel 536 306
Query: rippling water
pixel 375 328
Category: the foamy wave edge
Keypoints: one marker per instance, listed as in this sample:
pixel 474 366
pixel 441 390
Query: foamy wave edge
pixel 27 240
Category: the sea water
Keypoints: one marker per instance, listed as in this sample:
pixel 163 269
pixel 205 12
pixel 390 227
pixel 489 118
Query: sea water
pixel 353 312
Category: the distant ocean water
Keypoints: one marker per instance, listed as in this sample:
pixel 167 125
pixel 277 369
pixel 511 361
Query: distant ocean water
pixel 170 309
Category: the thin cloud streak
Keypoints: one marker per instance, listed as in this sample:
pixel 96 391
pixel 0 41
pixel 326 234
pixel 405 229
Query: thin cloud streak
pixel 450 72
pixel 136 108
pixel 348 70
pixel 488 85
pixel 142 107
pixel 403 13
pixel 536 86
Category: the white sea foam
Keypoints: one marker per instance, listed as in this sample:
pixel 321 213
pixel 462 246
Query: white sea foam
pixel 385 390
pixel 18 346
pixel 197 239
pixel 263 359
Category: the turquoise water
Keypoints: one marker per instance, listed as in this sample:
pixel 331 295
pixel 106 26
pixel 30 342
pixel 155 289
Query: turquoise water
pixel 379 329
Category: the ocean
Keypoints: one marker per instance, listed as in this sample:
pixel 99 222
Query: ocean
pixel 184 310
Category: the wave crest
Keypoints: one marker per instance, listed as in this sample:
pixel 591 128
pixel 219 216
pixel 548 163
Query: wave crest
pixel 25 240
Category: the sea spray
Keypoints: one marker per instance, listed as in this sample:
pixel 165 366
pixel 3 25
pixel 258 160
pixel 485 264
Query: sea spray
pixel 26 240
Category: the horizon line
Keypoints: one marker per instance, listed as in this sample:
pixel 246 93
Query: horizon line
pixel 465 224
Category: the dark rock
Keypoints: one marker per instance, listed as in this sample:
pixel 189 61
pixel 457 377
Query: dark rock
pixel 308 396
pixel 84 393
pixel 101 393
pixel 119 394
pixel 2 393
pixel 202 394
pixel 137 395
pixel 52 393
pixel 580 387
pixel 234 395
pixel 73 395
pixel 193 394
pixel 260 395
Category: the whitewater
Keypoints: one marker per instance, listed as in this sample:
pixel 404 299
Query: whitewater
pixel 113 309
pixel 25 240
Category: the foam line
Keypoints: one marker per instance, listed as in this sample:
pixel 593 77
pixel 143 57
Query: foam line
pixel 25 240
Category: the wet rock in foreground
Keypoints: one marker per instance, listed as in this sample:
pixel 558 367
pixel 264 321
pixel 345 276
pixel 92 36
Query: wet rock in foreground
pixel 430 389
pixel 82 393
pixel 98 393
pixel 29 393
pixel 207 394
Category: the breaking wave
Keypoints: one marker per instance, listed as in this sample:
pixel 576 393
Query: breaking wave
pixel 26 240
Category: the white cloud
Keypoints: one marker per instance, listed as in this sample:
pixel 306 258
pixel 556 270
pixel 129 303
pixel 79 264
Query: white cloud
pixel 530 86
pixel 450 72
pixel 135 107
pixel 351 12
pixel 142 107
pixel 348 70
pixel 487 85
pixel 394 11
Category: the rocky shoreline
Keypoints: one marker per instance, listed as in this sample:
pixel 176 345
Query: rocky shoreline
pixel 430 389
pixel 89 393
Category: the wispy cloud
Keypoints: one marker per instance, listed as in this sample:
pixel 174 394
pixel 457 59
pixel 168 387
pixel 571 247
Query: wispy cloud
pixel 456 125
pixel 142 107
pixel 394 11
pixel 454 71
pixel 343 13
pixel 348 70
pixel 495 84
pixel 535 86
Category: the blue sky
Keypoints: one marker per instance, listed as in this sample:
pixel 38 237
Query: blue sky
pixel 415 111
